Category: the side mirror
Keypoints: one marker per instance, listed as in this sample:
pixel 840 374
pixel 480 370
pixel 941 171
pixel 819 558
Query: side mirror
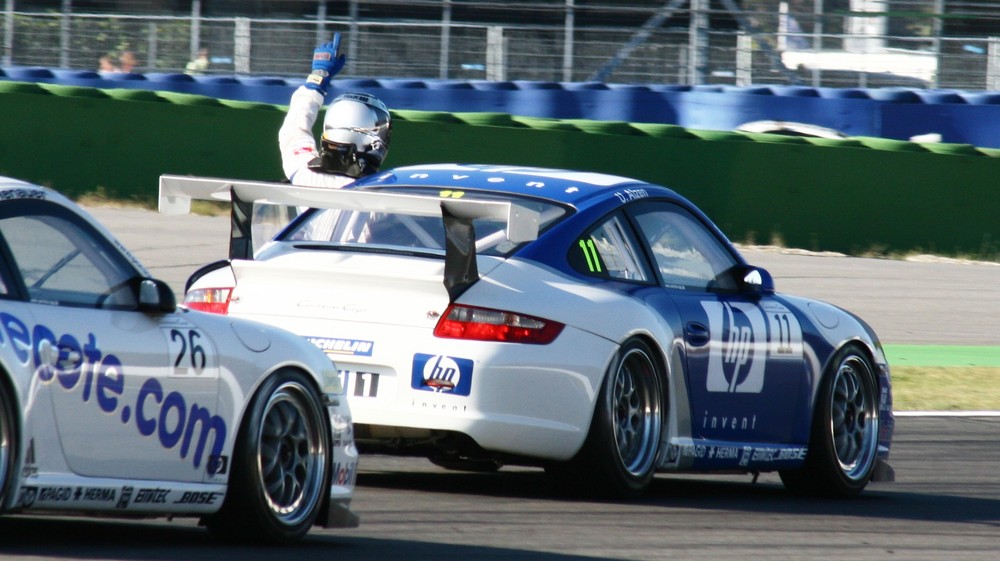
pixel 754 280
pixel 156 296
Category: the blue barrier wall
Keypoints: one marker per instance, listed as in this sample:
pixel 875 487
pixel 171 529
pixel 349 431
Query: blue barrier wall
pixel 959 117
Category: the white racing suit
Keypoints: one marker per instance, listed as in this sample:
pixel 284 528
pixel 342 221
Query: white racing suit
pixel 298 145
pixel 298 148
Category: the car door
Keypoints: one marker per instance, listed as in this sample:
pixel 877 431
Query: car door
pixel 130 392
pixel 745 372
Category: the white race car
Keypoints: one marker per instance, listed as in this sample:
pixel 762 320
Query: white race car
pixel 114 402
pixel 599 326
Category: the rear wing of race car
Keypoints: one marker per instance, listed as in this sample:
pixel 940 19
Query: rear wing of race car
pixel 521 223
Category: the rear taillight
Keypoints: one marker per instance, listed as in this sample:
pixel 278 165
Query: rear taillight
pixel 483 324
pixel 211 300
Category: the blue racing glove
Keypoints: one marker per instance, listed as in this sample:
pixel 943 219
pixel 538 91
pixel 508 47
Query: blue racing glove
pixel 325 65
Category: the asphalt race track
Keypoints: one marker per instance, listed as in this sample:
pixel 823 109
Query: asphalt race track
pixel 938 302
pixel 945 503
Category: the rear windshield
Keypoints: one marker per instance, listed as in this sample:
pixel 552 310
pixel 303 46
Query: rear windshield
pixel 409 232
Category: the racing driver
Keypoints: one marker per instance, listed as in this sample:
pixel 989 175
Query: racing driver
pixel 356 129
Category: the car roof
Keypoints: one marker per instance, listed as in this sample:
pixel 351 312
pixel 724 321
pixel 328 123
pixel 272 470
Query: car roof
pixel 564 186
pixel 12 188
pixel 12 183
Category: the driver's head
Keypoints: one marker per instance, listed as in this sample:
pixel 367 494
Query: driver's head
pixel 356 133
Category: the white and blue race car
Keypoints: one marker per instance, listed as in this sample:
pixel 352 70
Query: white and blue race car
pixel 115 402
pixel 599 326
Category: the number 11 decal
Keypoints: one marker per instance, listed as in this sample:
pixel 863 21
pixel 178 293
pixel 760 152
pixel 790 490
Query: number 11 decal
pixel 785 339
pixel 365 384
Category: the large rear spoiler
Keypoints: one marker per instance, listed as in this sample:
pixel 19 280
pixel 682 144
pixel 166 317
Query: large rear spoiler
pixel 522 223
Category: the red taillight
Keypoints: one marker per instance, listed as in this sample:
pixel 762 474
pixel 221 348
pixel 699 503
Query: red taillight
pixel 483 324
pixel 211 300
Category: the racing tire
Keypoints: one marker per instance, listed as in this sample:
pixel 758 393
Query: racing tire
pixel 8 443
pixel 844 441
pixel 281 465
pixel 618 459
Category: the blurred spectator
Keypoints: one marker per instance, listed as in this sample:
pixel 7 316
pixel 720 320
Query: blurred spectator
pixel 199 65
pixel 127 61
pixel 106 64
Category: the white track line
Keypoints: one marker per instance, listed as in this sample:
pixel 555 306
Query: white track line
pixel 946 413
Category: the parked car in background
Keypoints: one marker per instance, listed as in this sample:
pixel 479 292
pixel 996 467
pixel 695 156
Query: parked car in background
pixel 115 402
pixel 598 326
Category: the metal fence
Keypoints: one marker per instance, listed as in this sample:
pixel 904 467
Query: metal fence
pixel 764 42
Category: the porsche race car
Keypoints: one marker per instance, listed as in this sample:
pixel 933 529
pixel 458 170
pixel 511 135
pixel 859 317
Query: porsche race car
pixel 115 402
pixel 599 326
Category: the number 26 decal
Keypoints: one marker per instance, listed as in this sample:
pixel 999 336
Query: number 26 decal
pixel 188 352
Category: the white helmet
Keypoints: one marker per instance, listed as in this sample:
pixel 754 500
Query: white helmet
pixel 355 134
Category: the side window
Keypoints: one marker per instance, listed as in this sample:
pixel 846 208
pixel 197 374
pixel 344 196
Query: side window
pixel 687 254
pixel 4 291
pixel 63 264
pixel 609 251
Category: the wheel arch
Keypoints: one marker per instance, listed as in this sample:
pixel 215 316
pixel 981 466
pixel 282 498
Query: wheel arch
pixel 205 270
pixel 315 384
pixel 864 347
pixel 659 355
pixel 825 370
pixel 873 353
pixel 673 391
pixel 255 393
pixel 824 471
pixel 625 467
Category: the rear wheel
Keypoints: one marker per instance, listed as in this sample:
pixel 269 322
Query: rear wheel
pixel 844 440
pixel 619 456
pixel 281 465
pixel 8 443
